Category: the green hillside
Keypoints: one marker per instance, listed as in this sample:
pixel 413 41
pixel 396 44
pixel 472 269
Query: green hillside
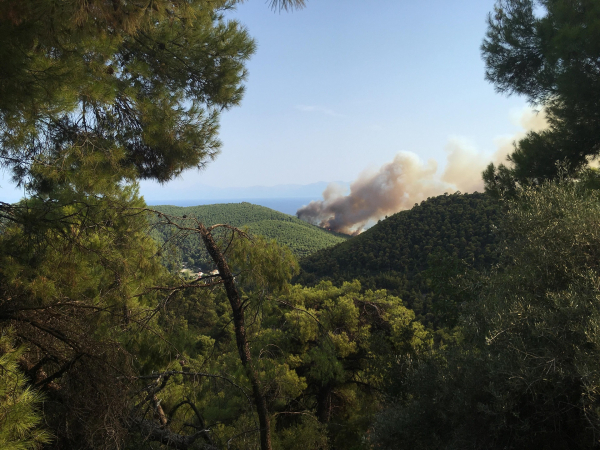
pixel 302 238
pixel 444 231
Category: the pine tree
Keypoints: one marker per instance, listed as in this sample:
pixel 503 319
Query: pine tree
pixel 548 51
pixel 95 95
pixel 20 418
pixel 134 91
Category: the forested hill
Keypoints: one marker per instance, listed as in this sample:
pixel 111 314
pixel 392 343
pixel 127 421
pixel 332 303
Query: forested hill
pixel 395 253
pixel 302 238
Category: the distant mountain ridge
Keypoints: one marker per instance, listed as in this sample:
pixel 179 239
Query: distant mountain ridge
pixel 180 190
pixel 289 205
pixel 302 238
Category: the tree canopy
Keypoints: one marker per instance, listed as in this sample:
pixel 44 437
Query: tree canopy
pixel 302 238
pixel 548 51
pixel 123 352
pixel 129 89
pixel 95 95
pixel 525 372
pixel 411 251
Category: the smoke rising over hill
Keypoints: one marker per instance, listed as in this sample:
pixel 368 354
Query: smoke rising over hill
pixel 407 180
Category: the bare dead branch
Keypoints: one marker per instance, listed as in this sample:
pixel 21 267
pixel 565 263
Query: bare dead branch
pixel 177 441
pixel 202 427
pixel 59 373
pixel 51 331
pixel 170 373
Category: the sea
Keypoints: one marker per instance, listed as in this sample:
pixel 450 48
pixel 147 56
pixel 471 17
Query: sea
pixel 284 205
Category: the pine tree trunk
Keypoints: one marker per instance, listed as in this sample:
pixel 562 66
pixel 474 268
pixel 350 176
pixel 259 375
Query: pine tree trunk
pixel 240 335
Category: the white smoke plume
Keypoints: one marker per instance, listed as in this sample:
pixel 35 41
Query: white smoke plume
pixel 407 180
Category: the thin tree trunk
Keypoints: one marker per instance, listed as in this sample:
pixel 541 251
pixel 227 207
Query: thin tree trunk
pixel 324 404
pixel 240 335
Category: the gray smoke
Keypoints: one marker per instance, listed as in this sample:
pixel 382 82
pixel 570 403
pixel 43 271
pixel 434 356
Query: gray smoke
pixel 394 187
pixel 406 180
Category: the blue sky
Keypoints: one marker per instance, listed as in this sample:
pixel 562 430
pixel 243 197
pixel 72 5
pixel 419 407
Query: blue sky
pixel 343 86
pixel 339 87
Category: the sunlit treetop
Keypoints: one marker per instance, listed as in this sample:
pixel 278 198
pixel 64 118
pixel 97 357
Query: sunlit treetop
pixel 134 88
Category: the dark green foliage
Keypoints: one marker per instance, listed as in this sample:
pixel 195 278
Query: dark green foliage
pixel 302 238
pixel 134 88
pixel 72 280
pixel 97 94
pixel 526 374
pixel 394 254
pixel 543 53
pixel 551 56
pixel 129 89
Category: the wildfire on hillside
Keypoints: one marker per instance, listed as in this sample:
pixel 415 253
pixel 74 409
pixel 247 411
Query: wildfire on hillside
pixel 406 180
